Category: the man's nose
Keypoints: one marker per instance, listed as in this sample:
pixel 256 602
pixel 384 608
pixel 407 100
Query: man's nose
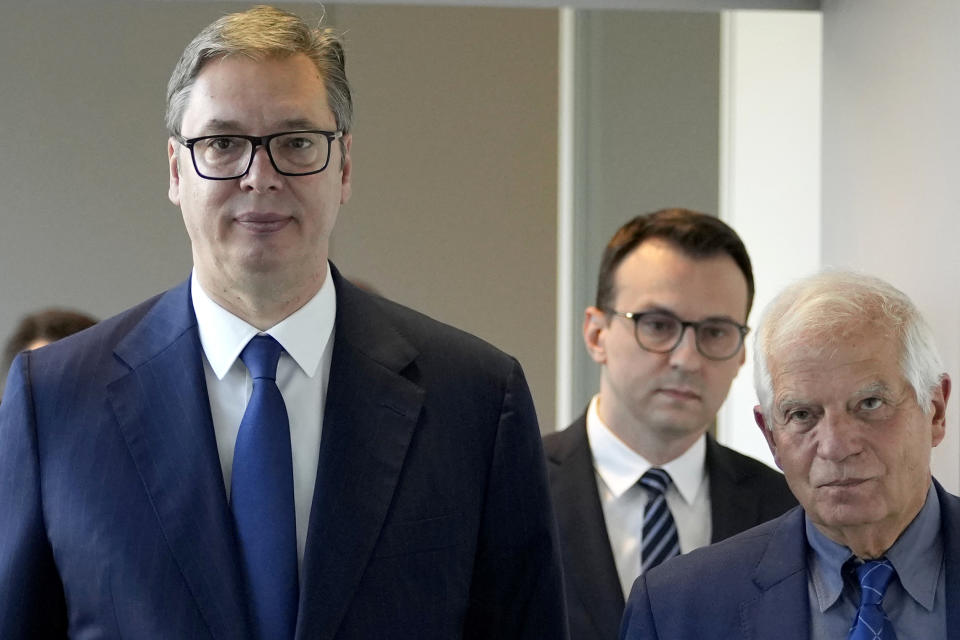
pixel 685 355
pixel 838 437
pixel 262 175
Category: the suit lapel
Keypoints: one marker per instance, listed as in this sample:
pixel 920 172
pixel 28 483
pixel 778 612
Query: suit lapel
pixel 782 609
pixel 587 557
pixel 163 411
pixel 370 415
pixel 734 505
pixel 950 528
pixel 782 577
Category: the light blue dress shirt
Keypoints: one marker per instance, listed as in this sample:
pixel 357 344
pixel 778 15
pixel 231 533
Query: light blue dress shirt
pixel 915 598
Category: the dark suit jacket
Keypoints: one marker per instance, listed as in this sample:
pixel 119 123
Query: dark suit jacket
pixel 430 517
pixel 754 586
pixel 743 492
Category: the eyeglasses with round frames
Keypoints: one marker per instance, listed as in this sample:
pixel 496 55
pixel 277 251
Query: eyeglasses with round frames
pixel 662 332
pixel 292 153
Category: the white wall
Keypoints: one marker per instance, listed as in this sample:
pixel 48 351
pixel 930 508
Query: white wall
pixel 769 171
pixel 891 194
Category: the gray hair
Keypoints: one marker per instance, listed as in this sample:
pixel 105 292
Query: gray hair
pixel 831 304
pixel 259 33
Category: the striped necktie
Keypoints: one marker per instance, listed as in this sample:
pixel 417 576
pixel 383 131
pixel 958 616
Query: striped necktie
pixel 872 623
pixel 660 539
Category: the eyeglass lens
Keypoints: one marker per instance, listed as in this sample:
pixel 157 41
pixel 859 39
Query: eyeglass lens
pixel 230 156
pixel 662 332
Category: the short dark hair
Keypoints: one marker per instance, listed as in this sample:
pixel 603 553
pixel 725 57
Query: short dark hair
pixel 696 234
pixel 49 324
pixel 259 33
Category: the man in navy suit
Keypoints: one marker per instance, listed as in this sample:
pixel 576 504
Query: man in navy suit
pixel 673 295
pixel 852 400
pixel 418 497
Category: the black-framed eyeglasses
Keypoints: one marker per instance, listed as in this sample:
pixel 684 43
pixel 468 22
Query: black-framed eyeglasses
pixel 662 332
pixel 292 153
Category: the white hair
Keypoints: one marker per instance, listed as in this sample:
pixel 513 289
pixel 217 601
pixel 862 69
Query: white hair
pixel 830 305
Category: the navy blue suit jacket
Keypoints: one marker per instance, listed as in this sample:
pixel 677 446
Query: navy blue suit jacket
pixel 743 493
pixel 430 519
pixel 754 586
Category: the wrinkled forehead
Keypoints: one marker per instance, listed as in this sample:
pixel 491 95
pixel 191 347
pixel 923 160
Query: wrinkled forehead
pixel 855 347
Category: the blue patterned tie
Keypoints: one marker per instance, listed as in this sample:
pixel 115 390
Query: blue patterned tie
pixel 261 498
pixel 660 539
pixel 872 623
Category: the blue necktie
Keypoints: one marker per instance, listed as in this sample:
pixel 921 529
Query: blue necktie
pixel 660 539
pixel 261 498
pixel 872 623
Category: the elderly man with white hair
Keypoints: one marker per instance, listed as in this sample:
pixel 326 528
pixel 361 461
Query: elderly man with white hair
pixel 852 400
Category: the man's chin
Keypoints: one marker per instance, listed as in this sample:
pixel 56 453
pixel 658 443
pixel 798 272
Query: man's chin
pixel 689 413
pixel 267 260
pixel 846 509
pixel 681 424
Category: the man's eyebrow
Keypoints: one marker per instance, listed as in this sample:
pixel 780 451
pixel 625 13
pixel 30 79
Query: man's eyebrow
pixel 792 400
pixel 216 125
pixel 782 404
pixel 879 387
pixel 658 308
pixel 723 318
pixel 297 124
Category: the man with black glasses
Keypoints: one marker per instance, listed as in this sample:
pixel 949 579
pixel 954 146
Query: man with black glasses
pixel 637 479
pixel 265 451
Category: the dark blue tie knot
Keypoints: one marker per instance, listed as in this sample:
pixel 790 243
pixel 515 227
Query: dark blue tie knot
pixel 655 480
pixel 874 577
pixel 871 622
pixel 261 356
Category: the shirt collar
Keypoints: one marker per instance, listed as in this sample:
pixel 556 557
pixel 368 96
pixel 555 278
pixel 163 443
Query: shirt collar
pixel 917 557
pixel 620 467
pixel 223 335
pixel 826 566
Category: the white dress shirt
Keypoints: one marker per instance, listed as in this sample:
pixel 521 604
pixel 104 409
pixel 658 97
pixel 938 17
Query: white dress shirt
pixel 618 469
pixel 302 375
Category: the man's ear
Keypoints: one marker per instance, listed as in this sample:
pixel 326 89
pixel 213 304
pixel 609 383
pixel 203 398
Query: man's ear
pixel 174 190
pixel 767 433
pixel 939 418
pixel 595 334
